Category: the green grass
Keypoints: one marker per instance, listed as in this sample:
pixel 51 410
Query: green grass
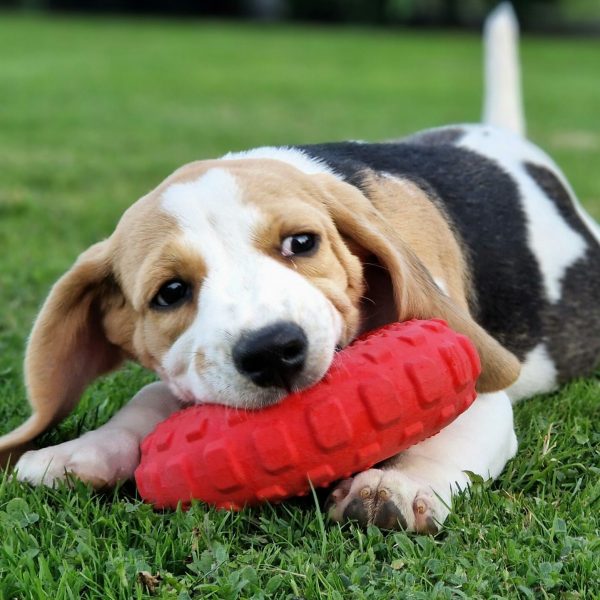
pixel 95 113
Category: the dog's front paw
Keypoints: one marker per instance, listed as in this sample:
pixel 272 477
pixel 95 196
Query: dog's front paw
pixel 98 460
pixel 389 499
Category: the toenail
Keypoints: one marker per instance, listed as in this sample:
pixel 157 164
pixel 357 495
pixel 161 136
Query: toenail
pixel 420 506
pixel 383 494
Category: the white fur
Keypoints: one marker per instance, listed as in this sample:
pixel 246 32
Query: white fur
pixel 554 243
pixel 503 105
pixel 481 440
pixel 538 375
pixel 108 454
pixel 244 290
pixel 441 284
pixel 291 156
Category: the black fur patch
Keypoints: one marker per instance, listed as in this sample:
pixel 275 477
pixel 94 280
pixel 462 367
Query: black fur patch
pixel 435 137
pixel 573 324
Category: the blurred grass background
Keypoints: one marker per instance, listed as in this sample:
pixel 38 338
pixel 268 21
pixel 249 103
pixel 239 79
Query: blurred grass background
pixel 93 114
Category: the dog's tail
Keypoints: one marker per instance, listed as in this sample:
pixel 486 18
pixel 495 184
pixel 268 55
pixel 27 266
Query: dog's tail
pixel 503 104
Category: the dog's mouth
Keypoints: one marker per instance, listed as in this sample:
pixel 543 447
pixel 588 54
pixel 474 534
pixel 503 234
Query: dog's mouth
pixel 255 398
pixel 240 392
pixel 272 396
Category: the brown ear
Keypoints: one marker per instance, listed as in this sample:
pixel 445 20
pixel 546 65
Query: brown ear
pixel 67 348
pixel 415 293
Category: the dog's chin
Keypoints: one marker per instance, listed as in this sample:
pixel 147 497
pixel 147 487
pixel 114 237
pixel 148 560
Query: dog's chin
pixel 260 398
pixel 304 382
pixel 250 396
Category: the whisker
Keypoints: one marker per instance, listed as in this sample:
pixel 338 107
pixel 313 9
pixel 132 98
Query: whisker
pixel 379 266
pixel 366 298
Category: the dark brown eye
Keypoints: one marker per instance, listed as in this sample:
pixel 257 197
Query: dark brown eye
pixel 299 244
pixel 171 294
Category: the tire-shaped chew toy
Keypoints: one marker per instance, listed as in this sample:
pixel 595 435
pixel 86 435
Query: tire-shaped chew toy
pixel 384 393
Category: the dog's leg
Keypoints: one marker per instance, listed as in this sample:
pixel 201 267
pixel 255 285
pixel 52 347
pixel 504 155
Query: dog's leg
pixel 108 454
pixel 414 489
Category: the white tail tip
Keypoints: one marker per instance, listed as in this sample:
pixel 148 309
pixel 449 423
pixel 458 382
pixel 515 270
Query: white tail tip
pixel 503 105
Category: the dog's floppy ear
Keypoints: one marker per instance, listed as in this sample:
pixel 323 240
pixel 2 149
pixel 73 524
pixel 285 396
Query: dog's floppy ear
pixel 68 347
pixel 415 293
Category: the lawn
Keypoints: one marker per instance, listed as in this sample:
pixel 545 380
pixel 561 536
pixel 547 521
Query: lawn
pixel 94 113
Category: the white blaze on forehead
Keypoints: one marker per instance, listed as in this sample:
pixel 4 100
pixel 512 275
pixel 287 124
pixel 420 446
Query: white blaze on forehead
pixel 244 290
pixel 554 243
pixel 211 210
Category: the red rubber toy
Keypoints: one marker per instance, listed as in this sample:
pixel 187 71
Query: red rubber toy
pixel 384 393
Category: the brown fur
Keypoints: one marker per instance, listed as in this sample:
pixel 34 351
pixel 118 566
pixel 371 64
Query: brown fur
pixel 414 292
pixel 425 230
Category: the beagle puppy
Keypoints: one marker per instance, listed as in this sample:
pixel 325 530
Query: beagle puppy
pixel 237 279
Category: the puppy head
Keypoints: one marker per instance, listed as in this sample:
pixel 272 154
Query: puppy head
pixel 235 281
pixel 230 280
pixel 246 288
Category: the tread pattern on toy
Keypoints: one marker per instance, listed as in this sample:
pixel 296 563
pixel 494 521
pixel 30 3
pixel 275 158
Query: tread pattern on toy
pixel 384 393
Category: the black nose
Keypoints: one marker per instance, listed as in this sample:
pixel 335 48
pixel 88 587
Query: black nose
pixel 273 355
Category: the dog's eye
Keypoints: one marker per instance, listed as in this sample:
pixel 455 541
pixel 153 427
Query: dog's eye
pixel 170 294
pixel 300 243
